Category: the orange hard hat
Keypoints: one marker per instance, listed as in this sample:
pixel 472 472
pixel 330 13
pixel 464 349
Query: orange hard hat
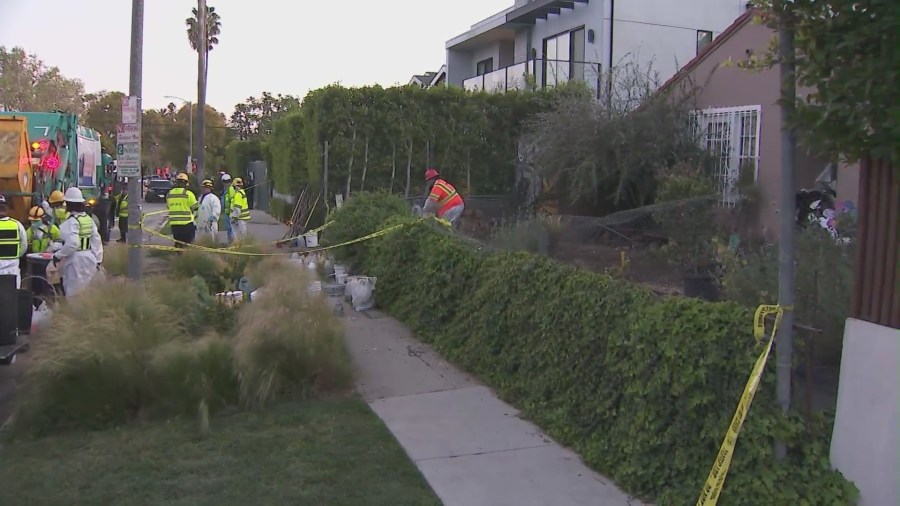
pixel 431 174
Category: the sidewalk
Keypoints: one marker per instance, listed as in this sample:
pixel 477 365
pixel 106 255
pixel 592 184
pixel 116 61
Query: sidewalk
pixel 472 448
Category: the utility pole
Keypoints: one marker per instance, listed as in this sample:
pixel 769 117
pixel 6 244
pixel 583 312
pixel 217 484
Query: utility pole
pixel 202 55
pixel 784 344
pixel 134 236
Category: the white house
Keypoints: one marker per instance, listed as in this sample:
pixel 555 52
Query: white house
pixel 552 41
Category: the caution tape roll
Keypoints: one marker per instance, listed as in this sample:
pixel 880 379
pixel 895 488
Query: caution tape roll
pixel 709 496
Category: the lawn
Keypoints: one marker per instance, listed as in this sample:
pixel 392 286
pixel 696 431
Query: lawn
pixel 334 452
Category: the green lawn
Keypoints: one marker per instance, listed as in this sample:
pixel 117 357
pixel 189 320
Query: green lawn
pixel 317 453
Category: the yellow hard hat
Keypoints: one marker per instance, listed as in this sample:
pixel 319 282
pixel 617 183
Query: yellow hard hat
pixel 207 183
pixel 56 197
pixel 238 181
pixel 36 213
pixel 182 177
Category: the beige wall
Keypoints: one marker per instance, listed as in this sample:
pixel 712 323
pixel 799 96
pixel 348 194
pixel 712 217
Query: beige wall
pixel 730 86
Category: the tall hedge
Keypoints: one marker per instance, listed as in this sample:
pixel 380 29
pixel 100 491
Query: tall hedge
pixel 472 137
pixel 642 387
pixel 239 154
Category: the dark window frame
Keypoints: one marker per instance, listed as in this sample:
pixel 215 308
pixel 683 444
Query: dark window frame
pixel 704 38
pixel 485 66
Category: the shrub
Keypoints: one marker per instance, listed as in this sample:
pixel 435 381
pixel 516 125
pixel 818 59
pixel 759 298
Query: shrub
pixel 643 387
pixel 289 345
pixel 361 215
pixel 92 365
pixel 194 262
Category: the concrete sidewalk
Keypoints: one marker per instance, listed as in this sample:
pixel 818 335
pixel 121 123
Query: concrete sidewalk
pixel 472 448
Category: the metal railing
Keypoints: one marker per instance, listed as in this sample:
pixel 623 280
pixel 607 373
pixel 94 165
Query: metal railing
pixel 540 73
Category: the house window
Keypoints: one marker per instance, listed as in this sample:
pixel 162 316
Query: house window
pixel 704 37
pixel 731 136
pixel 564 57
pixel 484 67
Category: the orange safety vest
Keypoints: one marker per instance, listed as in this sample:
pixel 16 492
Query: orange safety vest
pixel 445 195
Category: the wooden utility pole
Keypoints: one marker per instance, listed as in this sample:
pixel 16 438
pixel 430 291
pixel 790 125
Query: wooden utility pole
pixel 134 235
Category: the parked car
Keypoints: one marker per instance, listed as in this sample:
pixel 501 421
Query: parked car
pixel 157 190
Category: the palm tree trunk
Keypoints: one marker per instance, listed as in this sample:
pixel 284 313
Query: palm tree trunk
pixel 202 55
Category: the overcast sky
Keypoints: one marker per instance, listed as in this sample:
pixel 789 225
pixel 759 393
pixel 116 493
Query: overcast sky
pixel 280 46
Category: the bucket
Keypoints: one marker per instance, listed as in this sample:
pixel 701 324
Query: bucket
pixel 312 239
pixel 340 278
pixel 362 292
pixel 315 287
pixel 335 297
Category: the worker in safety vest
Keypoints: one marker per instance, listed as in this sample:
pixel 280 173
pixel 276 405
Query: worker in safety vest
pixel 82 250
pixel 443 199
pixel 240 210
pixel 42 233
pixel 227 198
pixel 182 204
pixel 57 207
pixel 43 236
pixel 120 211
pixel 13 244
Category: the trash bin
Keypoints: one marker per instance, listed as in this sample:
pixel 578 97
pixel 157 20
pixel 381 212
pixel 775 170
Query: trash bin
pixel 26 310
pixel 9 310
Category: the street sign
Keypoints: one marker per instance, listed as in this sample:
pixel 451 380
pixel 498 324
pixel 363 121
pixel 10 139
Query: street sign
pixel 128 159
pixel 128 133
pixel 130 110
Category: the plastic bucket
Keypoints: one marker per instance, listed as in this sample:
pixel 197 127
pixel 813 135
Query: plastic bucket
pixel 340 278
pixel 335 297
pixel 312 240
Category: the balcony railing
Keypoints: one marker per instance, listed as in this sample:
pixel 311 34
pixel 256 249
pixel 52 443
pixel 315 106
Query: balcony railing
pixel 541 73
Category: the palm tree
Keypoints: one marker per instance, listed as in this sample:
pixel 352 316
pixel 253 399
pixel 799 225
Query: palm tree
pixel 213 29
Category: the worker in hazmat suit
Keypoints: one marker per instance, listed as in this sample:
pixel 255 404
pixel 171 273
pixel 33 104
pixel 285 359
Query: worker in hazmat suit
pixel 209 211
pixel 13 244
pixel 82 250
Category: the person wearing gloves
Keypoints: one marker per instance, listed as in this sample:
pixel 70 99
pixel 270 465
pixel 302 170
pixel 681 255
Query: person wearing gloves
pixel 82 250
pixel 240 211
pixel 209 211
pixel 227 198
pixel 443 199
pixel 13 244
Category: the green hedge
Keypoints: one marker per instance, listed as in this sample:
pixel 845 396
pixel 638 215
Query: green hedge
pixel 642 387
pixel 470 136
pixel 239 154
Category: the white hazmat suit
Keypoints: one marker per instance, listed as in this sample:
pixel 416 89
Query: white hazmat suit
pixel 78 266
pixel 208 215
pixel 10 267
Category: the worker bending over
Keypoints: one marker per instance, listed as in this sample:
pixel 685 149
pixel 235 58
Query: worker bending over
pixel 13 244
pixel 240 211
pixel 181 204
pixel 443 199
pixel 209 211
pixel 82 249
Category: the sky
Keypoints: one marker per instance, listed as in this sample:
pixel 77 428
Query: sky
pixel 280 46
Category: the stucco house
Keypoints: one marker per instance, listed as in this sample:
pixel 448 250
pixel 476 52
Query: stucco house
pixel 546 42
pixel 739 117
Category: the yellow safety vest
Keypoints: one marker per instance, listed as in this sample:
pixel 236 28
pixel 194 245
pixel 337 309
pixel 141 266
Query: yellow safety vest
pixel 181 204
pixel 85 231
pixel 43 244
pixel 122 206
pixel 240 201
pixel 10 240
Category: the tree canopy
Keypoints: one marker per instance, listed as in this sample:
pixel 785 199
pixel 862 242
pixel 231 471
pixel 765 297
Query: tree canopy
pixel 28 84
pixel 848 52
pixel 256 116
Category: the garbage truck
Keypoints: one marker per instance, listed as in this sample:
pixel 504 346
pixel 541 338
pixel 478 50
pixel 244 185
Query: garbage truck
pixel 45 151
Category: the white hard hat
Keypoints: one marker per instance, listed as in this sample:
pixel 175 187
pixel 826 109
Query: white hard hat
pixel 226 177
pixel 74 195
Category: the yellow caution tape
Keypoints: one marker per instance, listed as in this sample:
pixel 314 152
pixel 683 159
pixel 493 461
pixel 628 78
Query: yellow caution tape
pixel 713 487
pixel 222 251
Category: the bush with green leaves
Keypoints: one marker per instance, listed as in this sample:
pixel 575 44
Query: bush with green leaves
pixel 642 387
pixel 361 215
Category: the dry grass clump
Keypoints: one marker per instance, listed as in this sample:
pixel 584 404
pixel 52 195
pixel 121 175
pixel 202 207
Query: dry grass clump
pixel 209 266
pixel 289 345
pixel 123 351
pixel 267 269
pixel 115 260
pixel 91 365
